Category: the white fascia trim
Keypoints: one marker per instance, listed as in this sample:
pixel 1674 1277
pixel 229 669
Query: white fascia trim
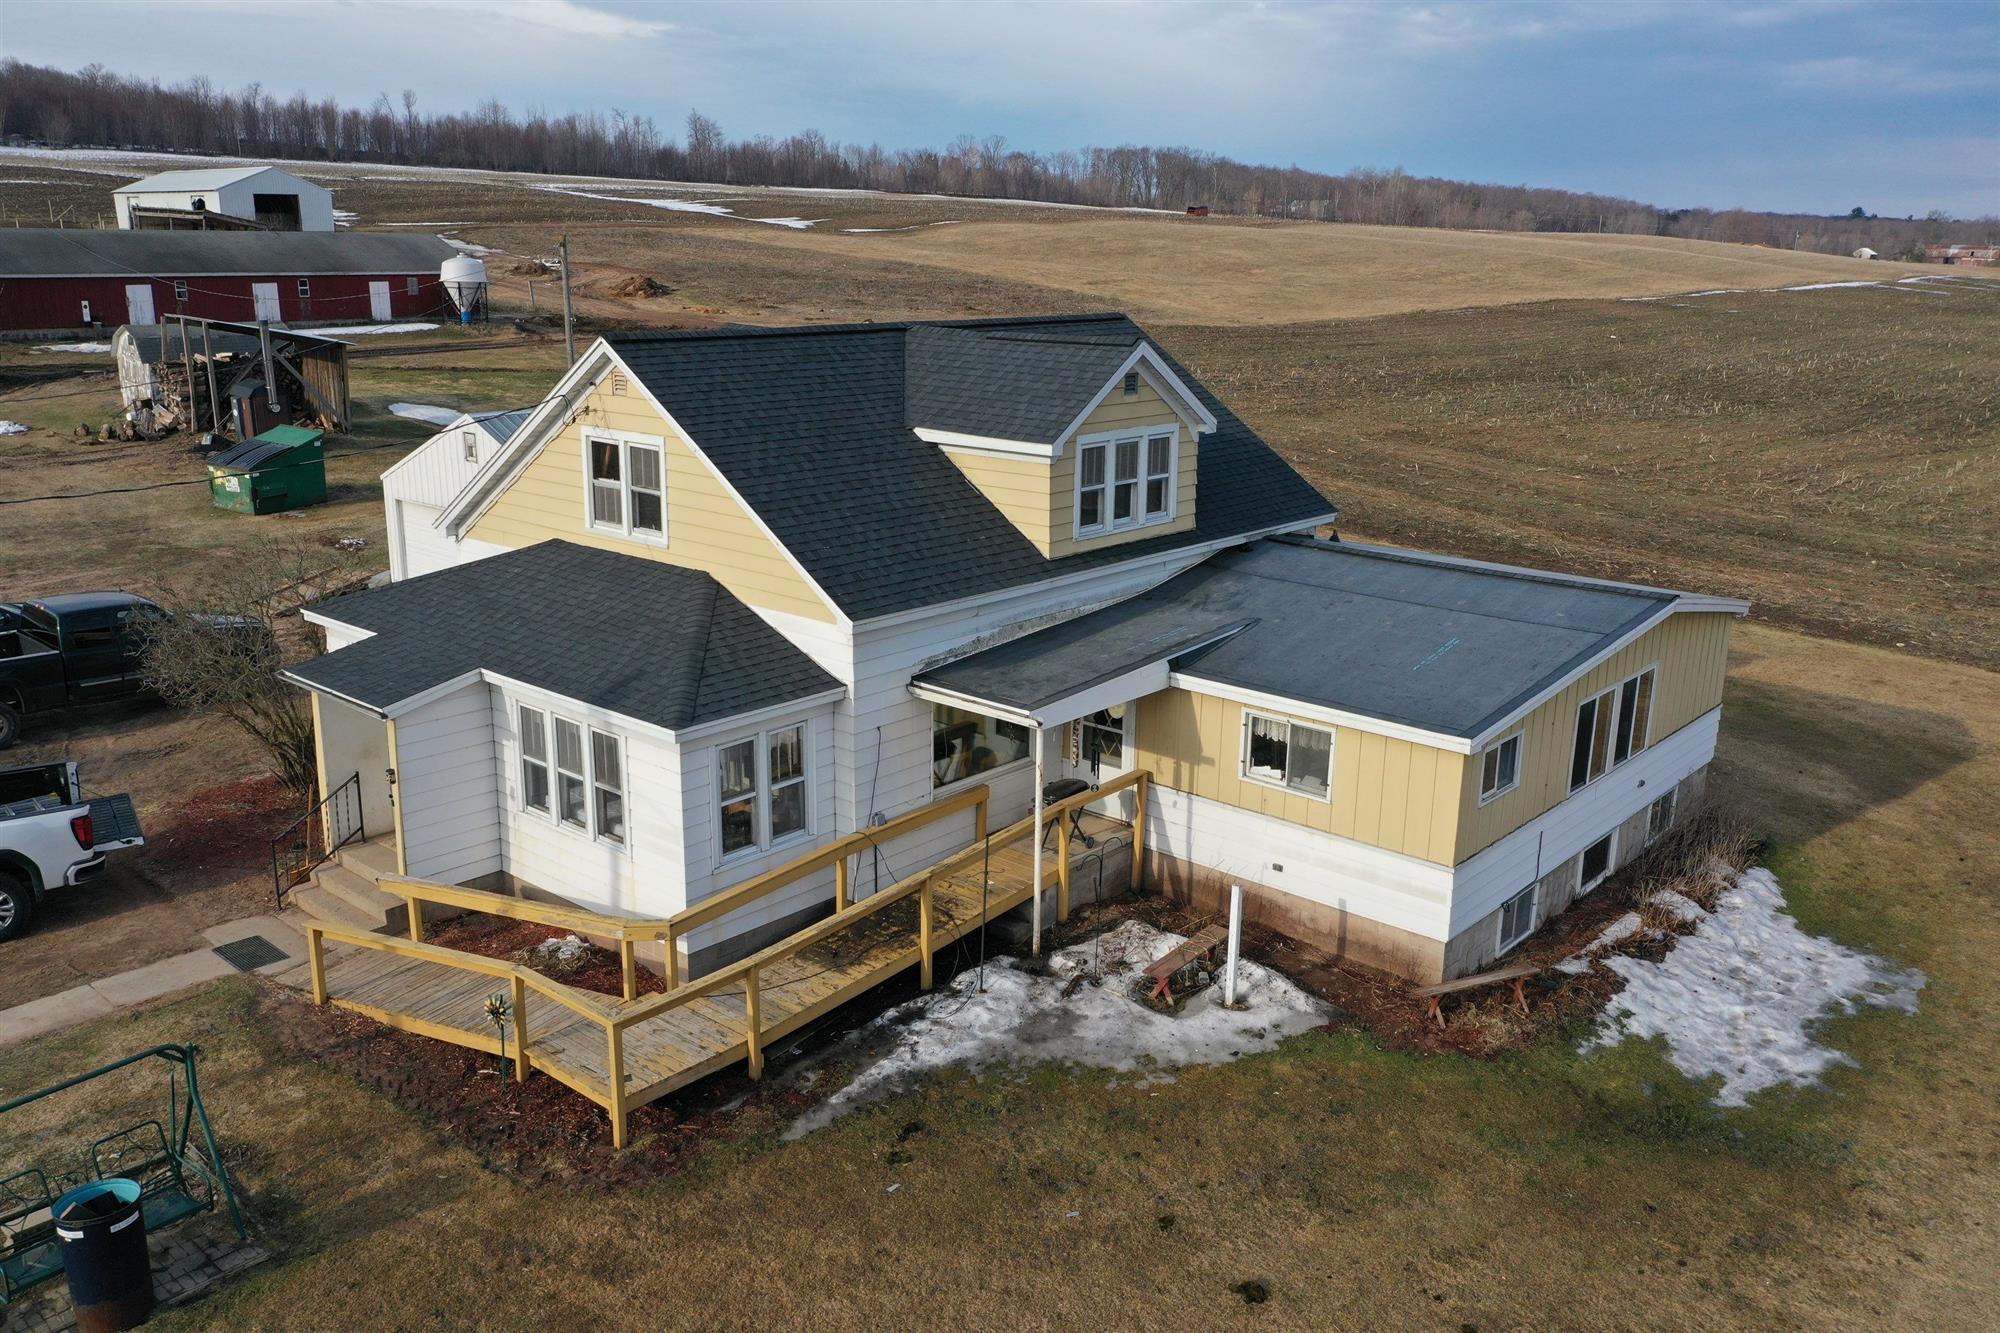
pixel 472 502
pixel 331 694
pixel 956 442
pixel 1283 707
pixel 1684 601
pixel 1569 678
pixel 811 704
pixel 325 621
pixel 1197 550
pixel 694 446
pixel 1199 419
pixel 967 703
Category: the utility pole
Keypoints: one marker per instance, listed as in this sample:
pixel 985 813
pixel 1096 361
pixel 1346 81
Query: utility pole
pixel 569 325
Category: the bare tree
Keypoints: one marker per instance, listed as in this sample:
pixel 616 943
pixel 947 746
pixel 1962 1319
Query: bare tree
pixel 227 634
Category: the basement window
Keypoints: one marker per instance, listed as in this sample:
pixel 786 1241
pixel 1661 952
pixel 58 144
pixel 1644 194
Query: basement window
pixel 1611 727
pixel 1292 755
pixel 1660 816
pixel 1596 863
pixel 1517 918
pixel 1500 768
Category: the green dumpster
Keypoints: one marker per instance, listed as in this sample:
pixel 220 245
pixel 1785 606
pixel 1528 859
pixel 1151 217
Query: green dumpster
pixel 284 468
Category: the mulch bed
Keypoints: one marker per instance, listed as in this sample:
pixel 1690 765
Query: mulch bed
pixel 504 938
pixel 539 1131
pixel 224 828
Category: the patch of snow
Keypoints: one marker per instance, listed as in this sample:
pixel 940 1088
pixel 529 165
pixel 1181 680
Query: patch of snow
pixel 423 224
pixel 342 215
pixel 12 428
pixel 914 226
pixel 685 206
pixel 1022 1017
pixel 1682 906
pixel 1719 291
pixel 436 416
pixel 1742 996
pixel 1579 962
pixel 368 330
pixel 467 247
pixel 72 347
pixel 1827 286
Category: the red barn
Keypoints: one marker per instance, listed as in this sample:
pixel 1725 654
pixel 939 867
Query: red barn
pixel 59 281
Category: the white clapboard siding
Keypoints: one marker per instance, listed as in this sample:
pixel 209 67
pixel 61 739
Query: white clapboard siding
pixel 416 490
pixel 701 814
pixel 1485 881
pixel 444 779
pixel 1385 886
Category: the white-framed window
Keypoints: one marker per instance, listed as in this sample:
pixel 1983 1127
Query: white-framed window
pixel 1517 918
pixel 180 290
pixel 469 441
pixel 305 289
pixel 1500 768
pixel 762 795
pixel 967 746
pixel 571 774
pixel 410 286
pixel 1660 815
pixel 1595 864
pixel 571 781
pixel 1611 727
pixel 534 728
pixel 1101 738
pixel 1126 481
pixel 627 484
pixel 607 786
pixel 1292 755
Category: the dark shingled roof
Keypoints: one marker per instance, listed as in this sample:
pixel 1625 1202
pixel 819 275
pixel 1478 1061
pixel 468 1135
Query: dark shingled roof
pixel 972 380
pixel 812 426
pixel 58 253
pixel 1404 638
pixel 635 637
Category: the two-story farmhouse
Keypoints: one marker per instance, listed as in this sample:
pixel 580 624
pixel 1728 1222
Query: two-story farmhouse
pixel 725 597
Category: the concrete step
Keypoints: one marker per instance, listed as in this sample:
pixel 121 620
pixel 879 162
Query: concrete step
pixel 372 859
pixel 324 905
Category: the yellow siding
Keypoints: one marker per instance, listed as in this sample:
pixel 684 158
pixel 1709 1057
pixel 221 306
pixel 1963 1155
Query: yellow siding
pixel 1389 793
pixel 1118 412
pixel 1691 651
pixel 707 528
pixel 1018 488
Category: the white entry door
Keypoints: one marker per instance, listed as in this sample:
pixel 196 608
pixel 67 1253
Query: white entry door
pixel 139 303
pixel 266 294
pixel 378 301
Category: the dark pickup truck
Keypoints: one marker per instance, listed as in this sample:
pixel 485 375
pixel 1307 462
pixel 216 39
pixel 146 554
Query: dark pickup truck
pixel 79 648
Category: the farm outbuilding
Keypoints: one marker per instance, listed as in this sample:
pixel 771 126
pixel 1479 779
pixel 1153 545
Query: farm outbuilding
pixel 212 198
pixel 56 281
pixel 169 375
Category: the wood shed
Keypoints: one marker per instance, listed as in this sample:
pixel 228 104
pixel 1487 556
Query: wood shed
pixel 175 376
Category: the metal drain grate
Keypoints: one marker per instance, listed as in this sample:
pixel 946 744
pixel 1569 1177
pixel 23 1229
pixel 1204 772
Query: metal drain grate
pixel 250 953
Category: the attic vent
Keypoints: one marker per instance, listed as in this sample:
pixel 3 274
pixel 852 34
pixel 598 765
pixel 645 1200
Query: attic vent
pixel 1131 384
pixel 618 382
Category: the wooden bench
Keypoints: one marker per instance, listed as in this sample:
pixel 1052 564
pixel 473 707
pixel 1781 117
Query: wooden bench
pixel 1201 944
pixel 1433 996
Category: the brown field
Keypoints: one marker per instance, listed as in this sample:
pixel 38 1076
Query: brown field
pixel 1834 455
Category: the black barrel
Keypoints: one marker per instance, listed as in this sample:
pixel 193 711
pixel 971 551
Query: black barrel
pixel 102 1231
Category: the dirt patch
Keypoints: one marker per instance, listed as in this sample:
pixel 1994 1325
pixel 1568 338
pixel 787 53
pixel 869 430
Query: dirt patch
pixel 592 969
pixel 538 1131
pixel 225 829
pixel 639 285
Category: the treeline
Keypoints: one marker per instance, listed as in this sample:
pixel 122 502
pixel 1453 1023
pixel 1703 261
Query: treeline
pixel 98 108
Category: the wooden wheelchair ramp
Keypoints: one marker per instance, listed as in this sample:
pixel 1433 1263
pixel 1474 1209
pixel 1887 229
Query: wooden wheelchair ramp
pixel 624 1053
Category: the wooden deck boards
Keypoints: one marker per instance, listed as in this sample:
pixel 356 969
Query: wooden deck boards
pixel 679 1045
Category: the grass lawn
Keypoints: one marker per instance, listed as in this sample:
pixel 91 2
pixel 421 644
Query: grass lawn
pixel 1365 1187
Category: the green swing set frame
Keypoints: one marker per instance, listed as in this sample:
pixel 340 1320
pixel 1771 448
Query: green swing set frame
pixel 178 1174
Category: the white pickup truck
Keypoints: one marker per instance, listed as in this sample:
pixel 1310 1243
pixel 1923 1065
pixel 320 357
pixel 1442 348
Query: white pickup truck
pixel 52 838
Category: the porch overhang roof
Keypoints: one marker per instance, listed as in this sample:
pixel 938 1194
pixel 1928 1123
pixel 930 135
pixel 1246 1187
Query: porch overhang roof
pixel 1072 670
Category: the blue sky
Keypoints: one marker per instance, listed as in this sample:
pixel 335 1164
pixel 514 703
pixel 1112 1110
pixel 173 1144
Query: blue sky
pixel 1813 105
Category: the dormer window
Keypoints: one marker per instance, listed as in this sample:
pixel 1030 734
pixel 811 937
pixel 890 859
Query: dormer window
pixel 1125 481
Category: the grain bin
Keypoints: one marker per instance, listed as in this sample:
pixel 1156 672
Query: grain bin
pixel 464 280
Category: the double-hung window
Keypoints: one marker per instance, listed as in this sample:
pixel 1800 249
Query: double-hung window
pixel 534 758
pixel 761 790
pixel 1611 727
pixel 1500 768
pixel 1125 482
pixel 1286 754
pixel 627 486
pixel 571 773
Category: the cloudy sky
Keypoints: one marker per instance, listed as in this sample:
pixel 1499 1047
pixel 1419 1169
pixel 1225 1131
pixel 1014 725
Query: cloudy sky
pixel 1811 105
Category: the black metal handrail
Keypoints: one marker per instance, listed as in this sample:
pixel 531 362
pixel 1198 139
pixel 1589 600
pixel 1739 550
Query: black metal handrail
pixel 316 835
